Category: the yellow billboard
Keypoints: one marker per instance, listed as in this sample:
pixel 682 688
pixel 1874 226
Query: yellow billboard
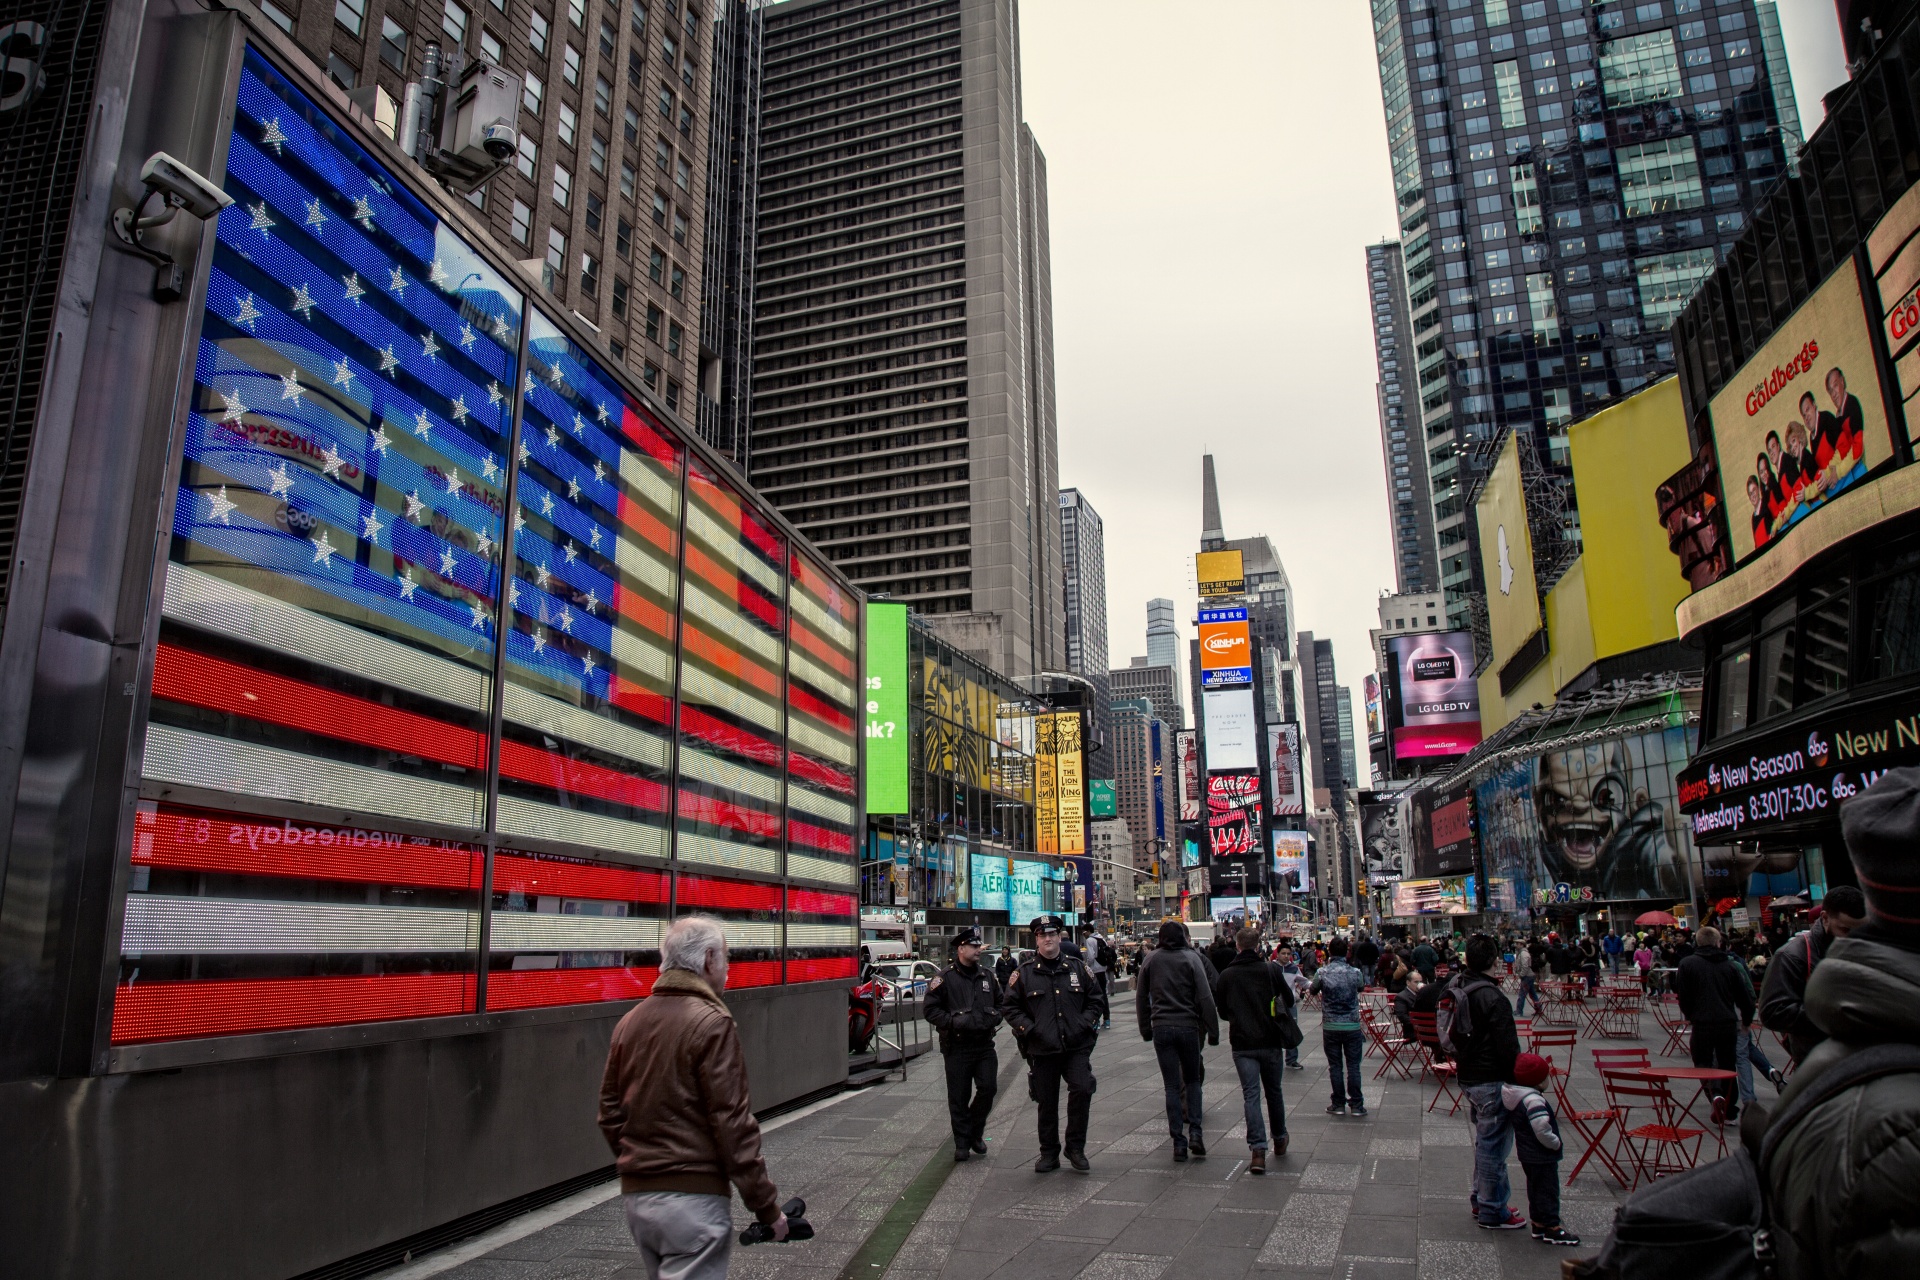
pixel 1506 556
pixel 1220 573
pixel 1060 800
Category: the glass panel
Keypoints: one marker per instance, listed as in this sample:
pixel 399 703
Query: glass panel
pixel 822 701
pixel 1774 662
pixel 1893 610
pixel 751 914
pixel 823 935
pixel 731 727
pixel 1734 680
pixel 585 747
pixel 569 931
pixel 1823 648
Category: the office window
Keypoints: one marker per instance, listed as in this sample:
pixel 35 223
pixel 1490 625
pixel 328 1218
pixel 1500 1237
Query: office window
pixel 666 104
pixel 529 162
pixel 686 121
pixel 277 16
pixel 562 185
pixel 618 348
pixel 679 227
pixel 1659 177
pixel 1506 83
pixel 453 21
pixel 668 50
pixel 619 298
pixel 1526 198
pixel 650 374
pixel 622 237
pixel 637 18
pixel 657 267
pixel 673 395
pixel 596 209
pixel 393 45
pixel 569 125
pixel 636 75
pixel 570 66
pixel 662 154
pixel 1639 69
pixel 681 174
pixel 341 71
pixel 577 13
pixel 537 30
pixel 677 284
pixel 556 249
pixel 589 274
pixel 603 96
pixel 1667 280
pixel 607 38
pixel 653 323
pixel 490 47
pixel 597 154
pixel 522 223
pixel 686 72
pixel 628 180
pixel 532 92
pixel 351 14
pixel 632 123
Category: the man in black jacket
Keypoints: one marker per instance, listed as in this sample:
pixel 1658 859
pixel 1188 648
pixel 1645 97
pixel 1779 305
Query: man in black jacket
pixel 1718 1002
pixel 1174 1002
pixel 1485 1045
pixel 963 1004
pixel 1055 1007
pixel 1784 991
pixel 1843 1179
pixel 1254 995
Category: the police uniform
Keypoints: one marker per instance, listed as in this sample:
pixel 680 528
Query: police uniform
pixel 963 1004
pixel 1055 1007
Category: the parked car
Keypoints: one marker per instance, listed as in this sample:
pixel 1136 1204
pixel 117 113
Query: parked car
pixel 906 977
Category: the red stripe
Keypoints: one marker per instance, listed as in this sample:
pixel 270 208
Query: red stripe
pixel 697 643
pixel 826 593
pixel 576 777
pixel 733 586
pixel 201 840
pixel 514 873
pixel 753 973
pixel 820 838
pixel 699 808
pixel 734 741
pixel 807 769
pixel 822 648
pixel 145 1011
pixel 735 513
pixel 820 968
pixel 814 902
pixel 640 700
pixel 645 431
pixel 831 716
pixel 199 680
pixel 727 895
pixel 533 988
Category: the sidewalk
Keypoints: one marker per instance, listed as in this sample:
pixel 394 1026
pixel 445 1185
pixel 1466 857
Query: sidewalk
pixel 1380 1197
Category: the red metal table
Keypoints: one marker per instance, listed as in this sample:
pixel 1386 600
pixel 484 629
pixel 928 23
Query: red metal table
pixel 1702 1077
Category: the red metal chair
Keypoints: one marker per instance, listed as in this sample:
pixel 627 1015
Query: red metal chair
pixel 1383 1034
pixel 1605 1060
pixel 1661 1146
pixel 1666 1012
pixel 1433 1061
pixel 1592 1126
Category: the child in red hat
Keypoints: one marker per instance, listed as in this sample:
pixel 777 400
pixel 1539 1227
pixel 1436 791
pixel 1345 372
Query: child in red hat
pixel 1536 1140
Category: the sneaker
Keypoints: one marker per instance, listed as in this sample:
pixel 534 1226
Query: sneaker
pixel 1778 1079
pixel 1337 1111
pixel 1514 1221
pixel 1719 1110
pixel 1198 1148
pixel 1257 1163
pixel 1296 1066
pixel 1078 1159
pixel 1047 1163
pixel 979 1146
pixel 1179 1155
pixel 1357 1109
pixel 1556 1235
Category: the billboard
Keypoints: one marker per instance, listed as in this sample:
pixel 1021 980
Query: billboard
pixel 1186 749
pixel 1803 421
pixel 1382 838
pixel 1283 758
pixel 1376 716
pixel 1591 822
pixel 886 707
pixel 1453 896
pixel 1436 701
pixel 1290 862
pixel 1506 555
pixel 1059 794
pixel 1102 802
pixel 1438 826
pixel 1220 573
pixel 1226 648
pixel 1229 910
pixel 1232 733
pixel 1233 814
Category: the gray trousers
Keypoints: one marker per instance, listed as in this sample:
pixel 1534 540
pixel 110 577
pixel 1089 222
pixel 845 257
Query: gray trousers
pixel 682 1235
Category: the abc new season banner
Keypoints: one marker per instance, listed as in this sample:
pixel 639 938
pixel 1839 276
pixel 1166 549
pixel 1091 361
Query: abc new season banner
pixel 1438 702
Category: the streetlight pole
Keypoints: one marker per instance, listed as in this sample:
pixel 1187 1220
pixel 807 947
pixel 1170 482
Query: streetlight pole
pixel 1158 848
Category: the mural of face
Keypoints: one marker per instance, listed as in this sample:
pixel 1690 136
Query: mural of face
pixel 1582 797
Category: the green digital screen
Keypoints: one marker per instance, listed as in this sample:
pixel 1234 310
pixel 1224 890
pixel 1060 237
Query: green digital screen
pixel 1101 800
pixel 886 707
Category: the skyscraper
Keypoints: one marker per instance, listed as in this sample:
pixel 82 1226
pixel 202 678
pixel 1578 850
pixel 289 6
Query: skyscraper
pixel 1163 633
pixel 1416 557
pixel 1566 173
pixel 1349 757
pixel 733 190
pixel 1143 776
pixel 1159 685
pixel 1330 794
pixel 1268 599
pixel 903 410
pixel 1083 551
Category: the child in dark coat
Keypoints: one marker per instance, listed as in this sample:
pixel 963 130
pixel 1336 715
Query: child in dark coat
pixel 1536 1140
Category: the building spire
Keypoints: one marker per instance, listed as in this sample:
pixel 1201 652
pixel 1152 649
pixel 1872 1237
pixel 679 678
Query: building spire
pixel 1211 526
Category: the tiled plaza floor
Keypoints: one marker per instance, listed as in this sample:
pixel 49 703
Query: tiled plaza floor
pixel 1354 1198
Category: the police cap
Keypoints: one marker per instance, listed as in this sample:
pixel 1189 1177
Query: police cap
pixel 967 937
pixel 1047 924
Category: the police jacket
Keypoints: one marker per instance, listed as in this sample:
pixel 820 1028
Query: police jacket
pixel 1054 1005
pixel 963 1004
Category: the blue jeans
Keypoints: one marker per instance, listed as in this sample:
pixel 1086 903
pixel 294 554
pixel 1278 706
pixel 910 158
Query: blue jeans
pixel 1492 1137
pixel 1349 1046
pixel 1746 1056
pixel 1259 1071
pixel 1529 990
pixel 1178 1049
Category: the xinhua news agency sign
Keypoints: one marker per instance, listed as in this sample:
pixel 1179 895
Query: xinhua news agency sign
pixel 1797 776
pixel 1226 648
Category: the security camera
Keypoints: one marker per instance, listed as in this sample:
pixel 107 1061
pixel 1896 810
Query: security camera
pixel 499 140
pixel 181 187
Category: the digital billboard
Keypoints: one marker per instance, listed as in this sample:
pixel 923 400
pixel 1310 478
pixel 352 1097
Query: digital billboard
pixel 886 707
pixel 1186 747
pixel 1452 896
pixel 1232 734
pixel 1102 801
pixel 1283 760
pixel 1226 648
pixel 1382 839
pixel 1290 862
pixel 1436 700
pixel 1506 553
pixel 1234 910
pixel 1060 802
pixel 1220 573
pixel 1233 814
pixel 1803 421
pixel 1376 717
pixel 1439 830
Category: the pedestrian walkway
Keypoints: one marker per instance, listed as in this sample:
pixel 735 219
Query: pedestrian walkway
pixel 1384 1196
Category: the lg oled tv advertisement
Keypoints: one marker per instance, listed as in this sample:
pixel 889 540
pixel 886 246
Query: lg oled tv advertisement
pixel 1435 710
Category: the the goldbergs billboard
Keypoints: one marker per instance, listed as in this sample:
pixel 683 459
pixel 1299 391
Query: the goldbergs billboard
pixel 1436 701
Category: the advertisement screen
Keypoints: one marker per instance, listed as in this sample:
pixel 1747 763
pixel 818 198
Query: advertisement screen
pixel 1436 698
pixel 1060 802
pixel 1506 555
pixel 1226 648
pixel 1227 910
pixel 1189 853
pixel 1283 759
pixel 1021 892
pixel 1102 802
pixel 1233 814
pixel 1376 721
pixel 1232 741
pixel 1803 421
pixel 1594 822
pixel 886 707
pixel 1453 896
pixel 1186 747
pixel 1382 839
pixel 1220 573
pixel 1290 850
pixel 1440 831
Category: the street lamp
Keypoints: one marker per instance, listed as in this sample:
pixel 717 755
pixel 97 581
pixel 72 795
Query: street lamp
pixel 1157 847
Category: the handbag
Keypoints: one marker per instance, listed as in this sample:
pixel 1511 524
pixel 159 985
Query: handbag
pixel 1290 1035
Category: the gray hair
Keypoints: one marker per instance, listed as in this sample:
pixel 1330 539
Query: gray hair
pixel 1707 937
pixel 690 942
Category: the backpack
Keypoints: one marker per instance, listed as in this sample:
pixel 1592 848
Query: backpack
pixel 1453 1016
pixel 1712 1222
pixel 1103 952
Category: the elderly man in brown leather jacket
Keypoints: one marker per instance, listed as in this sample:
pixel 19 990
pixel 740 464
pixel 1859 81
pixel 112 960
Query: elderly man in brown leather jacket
pixel 674 1107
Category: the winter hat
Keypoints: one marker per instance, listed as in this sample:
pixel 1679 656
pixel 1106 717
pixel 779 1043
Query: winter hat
pixel 1881 826
pixel 1173 933
pixel 1531 1070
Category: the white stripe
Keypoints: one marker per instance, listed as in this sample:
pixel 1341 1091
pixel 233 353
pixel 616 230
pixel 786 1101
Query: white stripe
pixel 822 621
pixel 812 802
pixel 637 469
pixel 642 656
pixel 697 686
pixel 189 759
pixel 752 933
pixel 209 603
pixel 724 853
pixel 720 616
pixel 725 541
pixel 819 677
pixel 545 931
pixel 158 924
pixel 519 817
pixel 551 716
pixel 804 734
pixel 831 870
pixel 819 935
pixel 701 767
pixel 643 564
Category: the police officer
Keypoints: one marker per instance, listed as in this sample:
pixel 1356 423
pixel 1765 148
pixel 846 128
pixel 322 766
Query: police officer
pixel 963 1004
pixel 1055 1009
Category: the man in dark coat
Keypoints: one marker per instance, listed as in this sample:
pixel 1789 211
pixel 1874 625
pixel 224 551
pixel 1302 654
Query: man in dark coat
pixel 1254 997
pixel 1174 1003
pixel 1784 990
pixel 1486 1044
pixel 963 1006
pixel 1718 1000
pixel 1055 1007
pixel 1843 1179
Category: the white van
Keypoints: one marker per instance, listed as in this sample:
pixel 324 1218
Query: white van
pixel 885 936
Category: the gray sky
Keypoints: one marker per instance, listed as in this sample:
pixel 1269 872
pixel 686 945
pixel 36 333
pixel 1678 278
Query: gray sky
pixel 1215 173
